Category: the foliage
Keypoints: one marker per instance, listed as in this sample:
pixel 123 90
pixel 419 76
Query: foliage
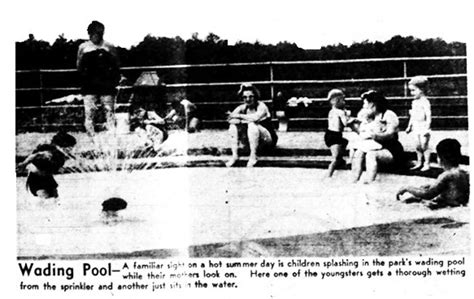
pixel 34 54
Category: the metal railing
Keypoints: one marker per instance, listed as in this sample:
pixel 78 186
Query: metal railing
pixel 269 81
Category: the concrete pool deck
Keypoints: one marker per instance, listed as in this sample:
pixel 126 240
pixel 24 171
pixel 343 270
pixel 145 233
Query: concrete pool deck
pixel 26 142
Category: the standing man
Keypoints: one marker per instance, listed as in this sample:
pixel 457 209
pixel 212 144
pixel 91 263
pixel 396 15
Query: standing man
pixel 98 66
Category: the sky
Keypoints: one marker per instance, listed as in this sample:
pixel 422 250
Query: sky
pixel 309 24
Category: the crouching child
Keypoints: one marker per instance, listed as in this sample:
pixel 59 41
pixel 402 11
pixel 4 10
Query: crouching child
pixel 45 161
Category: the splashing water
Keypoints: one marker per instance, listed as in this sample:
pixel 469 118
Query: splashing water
pixel 110 157
pixel 126 152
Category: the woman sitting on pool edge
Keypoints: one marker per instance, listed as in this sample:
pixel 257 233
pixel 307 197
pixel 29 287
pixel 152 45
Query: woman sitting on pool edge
pixel 392 153
pixel 250 124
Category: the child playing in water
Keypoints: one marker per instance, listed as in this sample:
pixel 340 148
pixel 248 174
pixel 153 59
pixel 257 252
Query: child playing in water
pixel 338 118
pixel 451 188
pixel 149 126
pixel 184 114
pixel 45 161
pixel 420 121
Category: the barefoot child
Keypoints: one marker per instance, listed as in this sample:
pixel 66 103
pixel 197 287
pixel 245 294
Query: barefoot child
pixel 337 119
pixel 420 121
pixel 45 161
pixel 451 188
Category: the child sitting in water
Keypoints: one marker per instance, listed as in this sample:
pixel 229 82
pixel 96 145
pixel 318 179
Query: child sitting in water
pixel 451 188
pixel 338 118
pixel 184 114
pixel 366 127
pixel 45 161
pixel 149 126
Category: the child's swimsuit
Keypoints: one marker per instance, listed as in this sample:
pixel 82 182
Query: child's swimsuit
pixel 100 73
pixel 419 122
pixel 332 137
pixel 36 182
pixel 47 164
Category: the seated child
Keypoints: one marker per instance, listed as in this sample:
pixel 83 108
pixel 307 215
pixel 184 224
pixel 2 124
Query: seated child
pixel 45 161
pixel 149 126
pixel 451 188
pixel 367 126
pixel 184 114
pixel 338 118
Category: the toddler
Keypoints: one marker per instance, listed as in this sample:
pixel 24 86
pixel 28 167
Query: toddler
pixel 338 118
pixel 367 126
pixel 420 121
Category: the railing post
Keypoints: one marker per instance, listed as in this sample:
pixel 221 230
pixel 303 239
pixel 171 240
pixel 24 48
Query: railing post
pixel 272 88
pixel 44 90
pixel 405 83
pixel 41 88
pixel 41 96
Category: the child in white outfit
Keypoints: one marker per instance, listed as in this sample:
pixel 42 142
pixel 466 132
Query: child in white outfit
pixel 367 126
pixel 420 121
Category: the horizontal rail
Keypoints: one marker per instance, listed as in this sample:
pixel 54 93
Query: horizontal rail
pixel 400 117
pixel 365 60
pixel 460 97
pixel 225 121
pixel 49 89
pixel 264 63
pixel 266 82
pixel 64 106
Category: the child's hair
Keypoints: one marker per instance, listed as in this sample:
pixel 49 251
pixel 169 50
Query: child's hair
pixel 114 204
pixel 248 86
pixel 95 27
pixel 336 97
pixel 63 139
pixel 449 150
pixel 335 94
pixel 420 81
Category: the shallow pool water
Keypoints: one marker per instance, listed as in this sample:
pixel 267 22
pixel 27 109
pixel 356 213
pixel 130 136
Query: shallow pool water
pixel 178 207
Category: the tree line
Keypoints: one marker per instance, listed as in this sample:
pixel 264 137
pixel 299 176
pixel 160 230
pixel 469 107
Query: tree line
pixel 38 54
